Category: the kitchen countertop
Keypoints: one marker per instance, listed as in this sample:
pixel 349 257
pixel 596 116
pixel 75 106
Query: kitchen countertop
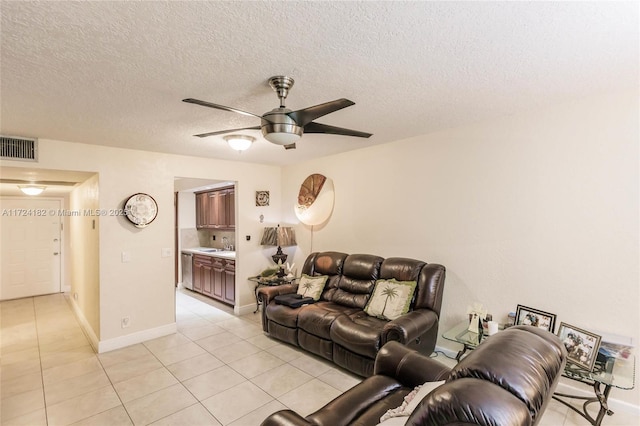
pixel 201 251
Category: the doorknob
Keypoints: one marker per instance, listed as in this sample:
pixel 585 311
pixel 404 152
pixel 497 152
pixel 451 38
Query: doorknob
pixel 55 253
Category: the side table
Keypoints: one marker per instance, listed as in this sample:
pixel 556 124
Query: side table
pixel 271 281
pixel 460 334
pixel 608 373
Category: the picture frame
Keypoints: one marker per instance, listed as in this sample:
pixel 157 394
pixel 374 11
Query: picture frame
pixel 582 345
pixel 262 198
pixel 536 318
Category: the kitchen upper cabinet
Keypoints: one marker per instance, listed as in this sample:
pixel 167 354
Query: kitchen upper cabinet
pixel 202 208
pixel 216 209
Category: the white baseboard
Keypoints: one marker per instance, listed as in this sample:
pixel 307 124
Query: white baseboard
pixel 86 327
pixel 244 310
pixel 137 337
pixel 567 386
pixel 122 341
pixel 446 351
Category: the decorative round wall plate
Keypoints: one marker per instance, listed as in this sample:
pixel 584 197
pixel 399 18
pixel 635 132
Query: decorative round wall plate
pixel 141 209
pixel 315 200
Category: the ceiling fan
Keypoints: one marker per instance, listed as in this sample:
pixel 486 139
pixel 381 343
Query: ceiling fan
pixel 282 126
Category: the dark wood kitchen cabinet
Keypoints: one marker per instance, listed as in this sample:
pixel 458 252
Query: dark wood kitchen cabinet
pixel 216 209
pixel 218 278
pixel 215 277
pixel 202 274
pixel 229 287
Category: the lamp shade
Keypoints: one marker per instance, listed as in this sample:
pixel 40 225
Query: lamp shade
pixel 279 236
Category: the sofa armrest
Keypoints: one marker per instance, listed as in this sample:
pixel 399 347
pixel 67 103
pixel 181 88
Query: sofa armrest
pixel 267 293
pixel 409 326
pixel 408 366
pixel 284 418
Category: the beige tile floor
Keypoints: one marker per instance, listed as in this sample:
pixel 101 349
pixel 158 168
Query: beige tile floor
pixel 218 369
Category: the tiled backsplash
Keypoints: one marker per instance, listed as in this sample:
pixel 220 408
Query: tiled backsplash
pixel 192 237
pixel 189 238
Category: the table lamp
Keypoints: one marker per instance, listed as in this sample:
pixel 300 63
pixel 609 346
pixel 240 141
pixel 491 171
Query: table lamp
pixel 281 237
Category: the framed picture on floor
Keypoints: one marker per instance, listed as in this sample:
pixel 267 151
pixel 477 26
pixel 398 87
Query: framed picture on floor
pixel 582 346
pixel 536 318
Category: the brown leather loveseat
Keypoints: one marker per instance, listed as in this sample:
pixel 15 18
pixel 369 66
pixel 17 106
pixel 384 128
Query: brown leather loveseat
pixel 508 380
pixel 338 328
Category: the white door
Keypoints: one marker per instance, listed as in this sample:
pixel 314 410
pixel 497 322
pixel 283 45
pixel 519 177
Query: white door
pixel 30 247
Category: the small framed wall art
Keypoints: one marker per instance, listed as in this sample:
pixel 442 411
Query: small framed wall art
pixel 536 318
pixel 262 198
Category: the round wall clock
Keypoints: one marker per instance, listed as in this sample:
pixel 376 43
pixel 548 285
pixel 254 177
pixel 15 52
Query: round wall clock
pixel 141 209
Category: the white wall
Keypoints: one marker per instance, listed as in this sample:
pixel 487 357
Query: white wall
pixel 540 210
pixel 143 288
pixel 84 256
pixel 186 210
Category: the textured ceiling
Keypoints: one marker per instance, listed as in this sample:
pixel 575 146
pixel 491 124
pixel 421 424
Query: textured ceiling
pixel 114 73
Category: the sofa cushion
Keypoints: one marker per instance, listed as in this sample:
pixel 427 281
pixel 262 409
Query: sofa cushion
pixel 390 298
pixel 359 333
pixel 282 314
pixel 312 286
pixel 354 285
pixel 316 319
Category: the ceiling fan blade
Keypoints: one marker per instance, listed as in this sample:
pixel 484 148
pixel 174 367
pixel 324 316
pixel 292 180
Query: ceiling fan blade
pixel 306 115
pixel 290 146
pixel 324 128
pixel 216 106
pixel 222 132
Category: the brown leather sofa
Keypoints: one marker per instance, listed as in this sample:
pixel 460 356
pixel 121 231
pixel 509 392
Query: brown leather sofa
pixel 508 380
pixel 337 328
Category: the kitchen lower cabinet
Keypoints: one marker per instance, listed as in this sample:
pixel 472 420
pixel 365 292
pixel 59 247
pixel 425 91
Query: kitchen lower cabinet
pixel 218 278
pixel 229 287
pixel 201 273
pixel 215 277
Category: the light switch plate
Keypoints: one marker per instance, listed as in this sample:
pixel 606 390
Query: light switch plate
pixel 165 252
pixel 126 257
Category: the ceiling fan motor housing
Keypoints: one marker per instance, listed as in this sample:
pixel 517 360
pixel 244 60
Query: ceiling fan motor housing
pixel 278 128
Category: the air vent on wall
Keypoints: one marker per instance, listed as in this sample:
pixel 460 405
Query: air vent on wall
pixel 17 148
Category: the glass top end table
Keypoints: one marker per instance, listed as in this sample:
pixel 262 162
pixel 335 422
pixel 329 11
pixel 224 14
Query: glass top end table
pixel 468 339
pixel 609 372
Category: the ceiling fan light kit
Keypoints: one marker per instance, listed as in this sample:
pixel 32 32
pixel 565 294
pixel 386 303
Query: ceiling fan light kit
pixel 282 126
pixel 239 142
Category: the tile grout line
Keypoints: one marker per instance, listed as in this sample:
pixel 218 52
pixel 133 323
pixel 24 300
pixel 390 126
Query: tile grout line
pixel 44 393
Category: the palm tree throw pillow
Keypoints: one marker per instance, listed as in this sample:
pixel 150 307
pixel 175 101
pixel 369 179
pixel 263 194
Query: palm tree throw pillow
pixel 312 286
pixel 390 299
